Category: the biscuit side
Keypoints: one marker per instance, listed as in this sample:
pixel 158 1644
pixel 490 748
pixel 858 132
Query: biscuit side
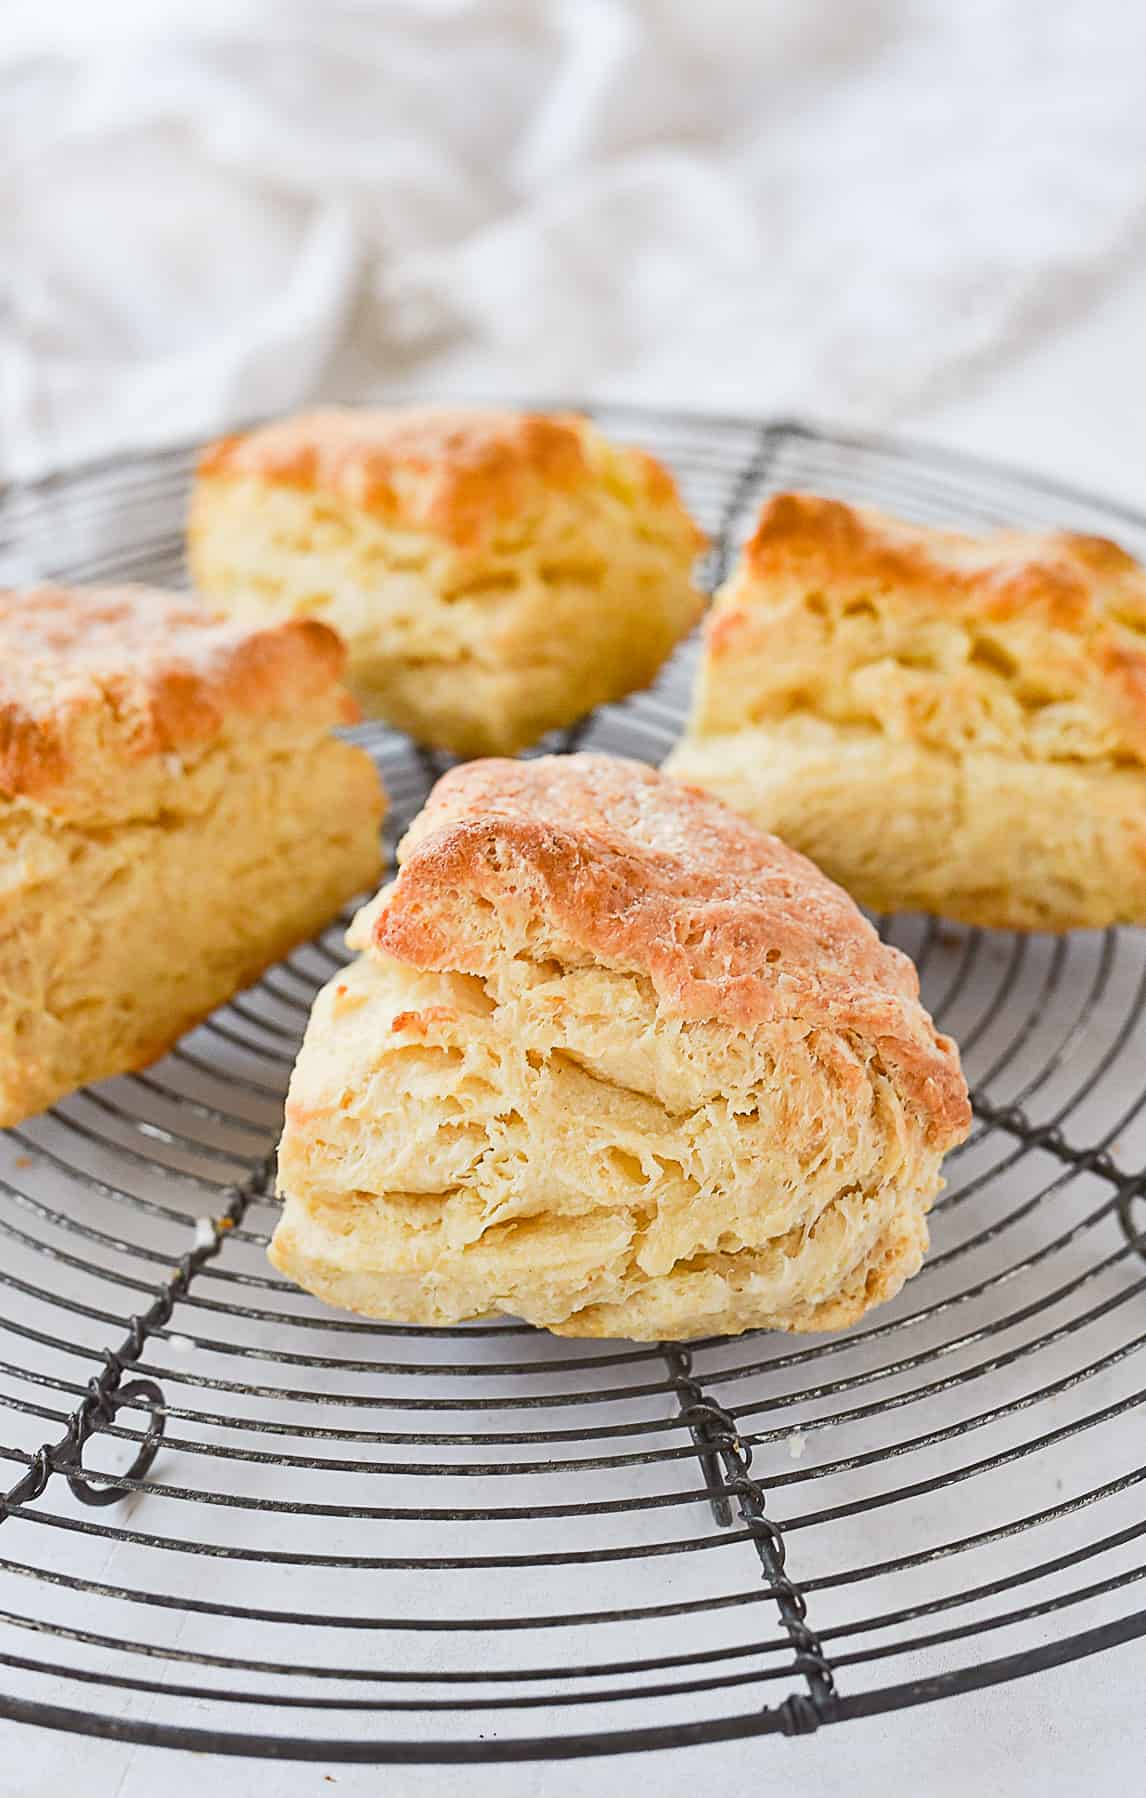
pixel 551 1142
pixel 986 839
pixel 115 941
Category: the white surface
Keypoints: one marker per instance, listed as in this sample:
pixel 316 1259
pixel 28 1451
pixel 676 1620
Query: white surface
pixel 214 210
pixel 934 216
pixel 1069 1734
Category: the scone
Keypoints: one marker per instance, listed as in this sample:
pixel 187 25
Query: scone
pixel 174 815
pixel 618 1063
pixel 494 574
pixel 946 723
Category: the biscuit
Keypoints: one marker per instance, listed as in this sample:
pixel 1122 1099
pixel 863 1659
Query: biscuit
pixel 494 574
pixel 945 723
pixel 616 1062
pixel 174 815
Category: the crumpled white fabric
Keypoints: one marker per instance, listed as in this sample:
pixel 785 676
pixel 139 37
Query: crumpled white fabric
pixel 212 211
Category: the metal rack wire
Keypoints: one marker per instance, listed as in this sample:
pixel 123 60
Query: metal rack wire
pixel 240 1523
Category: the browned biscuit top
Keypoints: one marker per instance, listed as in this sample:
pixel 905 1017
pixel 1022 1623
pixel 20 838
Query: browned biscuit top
pixel 1067 578
pixel 95 682
pixel 459 473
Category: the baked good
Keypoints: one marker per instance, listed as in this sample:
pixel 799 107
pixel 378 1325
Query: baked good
pixel 616 1062
pixel 945 723
pixel 494 574
pixel 174 815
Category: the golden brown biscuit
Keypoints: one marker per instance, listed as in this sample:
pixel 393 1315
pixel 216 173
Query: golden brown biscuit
pixel 174 815
pixel 944 723
pixel 615 1062
pixel 494 574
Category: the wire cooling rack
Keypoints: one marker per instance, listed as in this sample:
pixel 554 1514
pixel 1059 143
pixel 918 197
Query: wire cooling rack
pixel 240 1523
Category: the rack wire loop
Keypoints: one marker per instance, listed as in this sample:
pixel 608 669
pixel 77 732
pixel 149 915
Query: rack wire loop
pixel 106 1395
pixel 69 1455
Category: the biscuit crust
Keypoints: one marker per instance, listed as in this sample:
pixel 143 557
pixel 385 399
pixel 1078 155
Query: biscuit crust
pixel 612 1061
pixel 98 685
pixel 946 723
pixel 462 474
pixel 495 574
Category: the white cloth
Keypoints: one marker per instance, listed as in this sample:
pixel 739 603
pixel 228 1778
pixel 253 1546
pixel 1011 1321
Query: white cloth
pixel 212 211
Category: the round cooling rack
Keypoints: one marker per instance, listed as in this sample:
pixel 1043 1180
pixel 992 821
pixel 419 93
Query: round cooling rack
pixel 319 1538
